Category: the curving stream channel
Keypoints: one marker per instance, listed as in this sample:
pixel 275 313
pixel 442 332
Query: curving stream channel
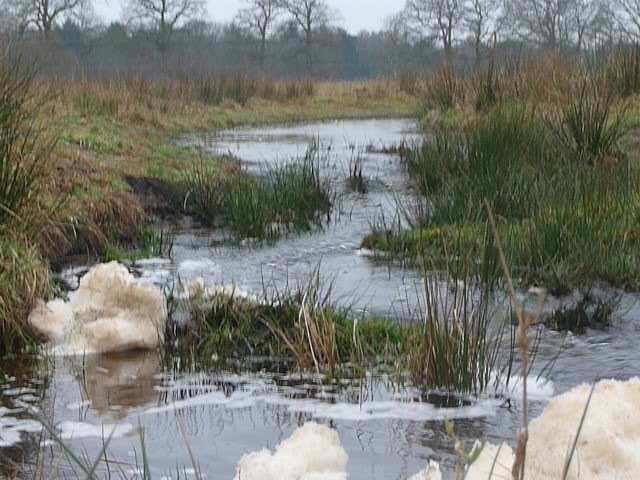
pixel 390 432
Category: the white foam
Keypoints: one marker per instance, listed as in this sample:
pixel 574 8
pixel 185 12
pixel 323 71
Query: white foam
pixel 198 266
pixel 383 410
pixel 75 430
pixel 260 391
pixel 607 447
pixel 312 452
pixel 109 312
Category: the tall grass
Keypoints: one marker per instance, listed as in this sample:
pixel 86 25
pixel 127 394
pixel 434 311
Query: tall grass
pixel 563 194
pixel 499 157
pixel 24 167
pixel 24 277
pixel 284 198
pixel 589 126
pixel 445 89
pixel 301 324
pixel 24 151
pixel 459 345
pixel 114 95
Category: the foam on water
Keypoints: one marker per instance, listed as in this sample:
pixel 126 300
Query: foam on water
pixel 607 447
pixel 109 312
pixel 326 404
pixel 69 430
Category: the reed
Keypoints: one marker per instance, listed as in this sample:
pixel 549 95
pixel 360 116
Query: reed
pixel 24 215
pixel 590 124
pixel 286 198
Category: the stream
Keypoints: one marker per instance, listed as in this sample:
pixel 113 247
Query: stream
pixel 389 431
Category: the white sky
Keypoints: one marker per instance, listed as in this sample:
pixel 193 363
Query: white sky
pixel 354 15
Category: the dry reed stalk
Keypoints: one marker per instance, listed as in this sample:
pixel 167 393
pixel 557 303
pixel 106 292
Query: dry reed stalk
pixel 522 342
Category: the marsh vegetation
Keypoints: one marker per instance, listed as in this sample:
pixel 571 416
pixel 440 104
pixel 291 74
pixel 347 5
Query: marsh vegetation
pixel 521 179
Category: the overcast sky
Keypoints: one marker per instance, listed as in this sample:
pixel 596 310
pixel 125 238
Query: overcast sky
pixel 355 15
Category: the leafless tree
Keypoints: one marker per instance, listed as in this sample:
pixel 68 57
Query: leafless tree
pixel 259 16
pixel 437 18
pixel 481 17
pixel 308 15
pixel 42 14
pixel 583 17
pixel 164 16
pixel 545 22
pixel 605 29
pixel 628 16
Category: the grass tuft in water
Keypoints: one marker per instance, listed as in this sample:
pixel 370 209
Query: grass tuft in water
pixel 283 199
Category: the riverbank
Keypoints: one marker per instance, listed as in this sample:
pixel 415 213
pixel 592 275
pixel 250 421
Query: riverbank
pixel 108 163
pixel 553 156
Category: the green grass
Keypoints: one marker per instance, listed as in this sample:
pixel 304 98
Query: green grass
pixel 282 199
pixel 567 206
pixel 24 278
pixel 153 242
pixel 25 214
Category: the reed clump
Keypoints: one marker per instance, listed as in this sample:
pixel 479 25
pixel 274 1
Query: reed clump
pixel 282 199
pixel 301 324
pixel 24 215
pixel 557 179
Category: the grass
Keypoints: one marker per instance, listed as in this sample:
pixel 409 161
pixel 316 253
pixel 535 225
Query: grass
pixel 562 192
pixel 585 126
pixel 24 278
pixel 357 180
pixel 24 214
pixel 84 163
pixel 284 198
pixel 589 312
pixel 153 242
pixel 300 324
pixel 452 344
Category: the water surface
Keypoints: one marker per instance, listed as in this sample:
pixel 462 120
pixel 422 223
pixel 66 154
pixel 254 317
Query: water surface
pixel 389 431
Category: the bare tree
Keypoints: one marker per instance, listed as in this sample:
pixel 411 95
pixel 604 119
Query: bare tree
pixel 481 19
pixel 164 16
pixel 545 22
pixel 43 14
pixel 604 29
pixel 583 16
pixel 258 17
pixel 438 18
pixel 308 15
pixel 628 16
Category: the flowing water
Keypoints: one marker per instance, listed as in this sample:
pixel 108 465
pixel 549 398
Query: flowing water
pixel 389 431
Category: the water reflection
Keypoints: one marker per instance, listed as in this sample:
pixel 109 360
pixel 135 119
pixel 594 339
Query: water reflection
pixel 116 383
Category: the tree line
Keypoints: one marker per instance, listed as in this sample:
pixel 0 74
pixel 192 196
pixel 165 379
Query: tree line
pixel 304 37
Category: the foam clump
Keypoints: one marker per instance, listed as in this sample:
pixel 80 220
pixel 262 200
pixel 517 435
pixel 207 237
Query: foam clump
pixel 432 472
pixel 607 447
pixel 109 312
pixel 197 289
pixel 312 452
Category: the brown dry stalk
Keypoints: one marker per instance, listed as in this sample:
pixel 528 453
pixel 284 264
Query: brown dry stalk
pixel 523 349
